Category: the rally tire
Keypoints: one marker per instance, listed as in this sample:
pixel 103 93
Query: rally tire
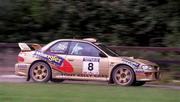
pixel 40 72
pixel 123 75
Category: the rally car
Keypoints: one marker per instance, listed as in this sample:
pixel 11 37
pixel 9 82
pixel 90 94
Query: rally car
pixel 82 59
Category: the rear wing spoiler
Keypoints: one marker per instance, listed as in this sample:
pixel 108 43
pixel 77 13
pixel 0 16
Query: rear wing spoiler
pixel 26 47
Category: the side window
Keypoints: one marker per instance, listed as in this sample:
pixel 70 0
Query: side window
pixel 83 49
pixel 60 48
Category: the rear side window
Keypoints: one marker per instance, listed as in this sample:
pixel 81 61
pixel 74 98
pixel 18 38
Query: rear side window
pixel 60 48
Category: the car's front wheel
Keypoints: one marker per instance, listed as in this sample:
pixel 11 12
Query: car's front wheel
pixel 40 72
pixel 123 75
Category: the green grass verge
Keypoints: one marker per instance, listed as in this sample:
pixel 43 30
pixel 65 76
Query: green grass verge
pixel 31 92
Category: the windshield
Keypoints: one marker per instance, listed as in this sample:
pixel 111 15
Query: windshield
pixel 108 50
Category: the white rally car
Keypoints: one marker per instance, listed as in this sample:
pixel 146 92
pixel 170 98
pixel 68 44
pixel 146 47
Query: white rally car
pixel 82 60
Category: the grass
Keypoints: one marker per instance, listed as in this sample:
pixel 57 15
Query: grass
pixel 31 92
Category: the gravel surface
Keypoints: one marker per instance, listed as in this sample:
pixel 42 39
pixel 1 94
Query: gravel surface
pixel 20 79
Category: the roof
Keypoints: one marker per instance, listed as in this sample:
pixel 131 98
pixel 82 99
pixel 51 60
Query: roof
pixel 93 40
pixel 90 40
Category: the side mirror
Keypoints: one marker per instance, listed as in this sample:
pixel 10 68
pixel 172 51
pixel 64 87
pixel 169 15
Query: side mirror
pixel 102 54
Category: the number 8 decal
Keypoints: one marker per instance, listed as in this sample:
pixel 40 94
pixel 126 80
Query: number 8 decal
pixel 90 66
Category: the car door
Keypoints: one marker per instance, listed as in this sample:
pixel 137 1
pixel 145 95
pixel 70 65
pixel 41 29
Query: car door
pixel 85 59
pixel 57 57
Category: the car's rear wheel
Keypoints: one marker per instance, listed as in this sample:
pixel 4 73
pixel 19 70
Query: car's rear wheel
pixel 40 72
pixel 123 75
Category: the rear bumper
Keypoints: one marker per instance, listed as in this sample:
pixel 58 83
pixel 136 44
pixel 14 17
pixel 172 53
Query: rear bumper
pixel 21 69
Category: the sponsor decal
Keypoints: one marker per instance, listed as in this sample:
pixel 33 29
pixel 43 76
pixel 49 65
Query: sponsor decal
pixel 139 70
pixel 83 75
pixel 91 65
pixel 53 59
pixel 57 61
pixel 131 63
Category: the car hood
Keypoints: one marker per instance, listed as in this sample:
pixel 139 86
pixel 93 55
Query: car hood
pixel 138 60
pixel 146 62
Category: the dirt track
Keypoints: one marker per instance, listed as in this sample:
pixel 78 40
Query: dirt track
pixel 18 79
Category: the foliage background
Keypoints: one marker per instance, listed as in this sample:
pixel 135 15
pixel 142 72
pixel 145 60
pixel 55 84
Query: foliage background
pixel 119 22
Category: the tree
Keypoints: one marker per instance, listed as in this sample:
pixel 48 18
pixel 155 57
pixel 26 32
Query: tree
pixel 121 22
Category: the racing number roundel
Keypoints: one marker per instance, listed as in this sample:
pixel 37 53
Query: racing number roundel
pixel 91 65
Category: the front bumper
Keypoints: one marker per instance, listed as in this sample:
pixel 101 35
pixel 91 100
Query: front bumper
pixel 21 69
pixel 147 76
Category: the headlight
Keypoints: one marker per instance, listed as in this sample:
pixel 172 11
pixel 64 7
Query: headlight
pixel 146 67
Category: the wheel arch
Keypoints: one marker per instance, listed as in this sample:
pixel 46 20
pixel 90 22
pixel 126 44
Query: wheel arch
pixel 121 64
pixel 28 76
